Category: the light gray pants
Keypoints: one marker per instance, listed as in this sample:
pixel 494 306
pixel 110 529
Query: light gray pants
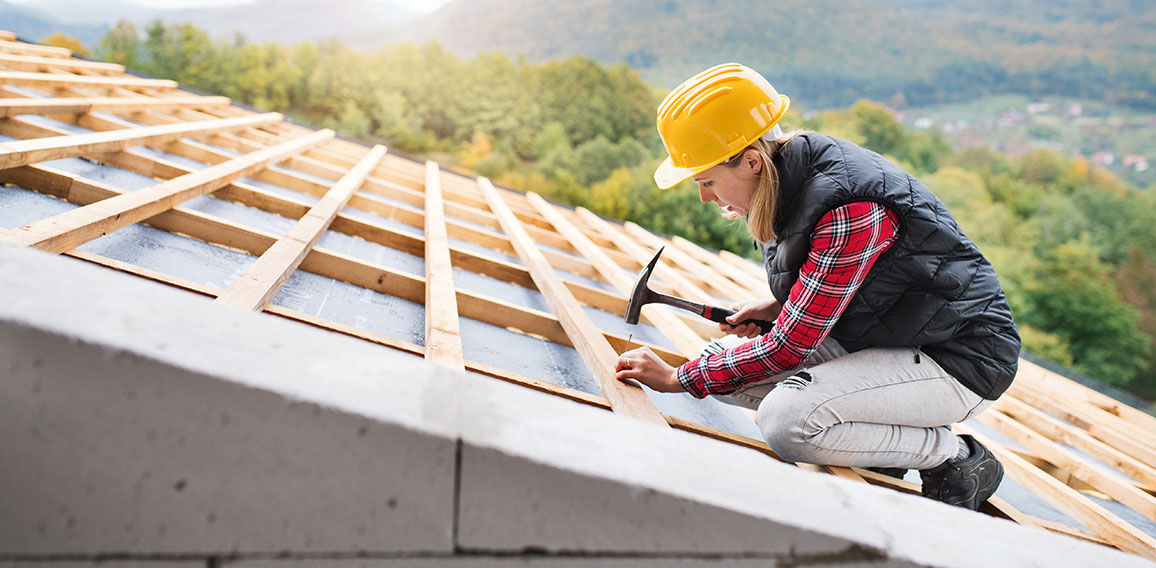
pixel 879 407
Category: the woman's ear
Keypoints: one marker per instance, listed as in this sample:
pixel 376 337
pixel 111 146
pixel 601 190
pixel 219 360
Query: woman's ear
pixel 754 160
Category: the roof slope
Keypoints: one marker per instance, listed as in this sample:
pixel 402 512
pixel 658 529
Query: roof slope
pixel 245 207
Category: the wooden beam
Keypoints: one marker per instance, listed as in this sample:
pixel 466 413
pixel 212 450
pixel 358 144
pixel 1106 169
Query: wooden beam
pixel 679 283
pixel 12 107
pixel 71 229
pixel 588 340
pixel 753 269
pixel 723 268
pixel 443 336
pixel 1090 422
pixel 1139 423
pixel 1101 522
pixel 257 286
pixel 33 63
pixel 675 282
pixel 62 80
pixel 726 289
pixel 1065 433
pixel 1072 464
pixel 23 152
pixel 684 338
pixel 325 263
pixel 21 48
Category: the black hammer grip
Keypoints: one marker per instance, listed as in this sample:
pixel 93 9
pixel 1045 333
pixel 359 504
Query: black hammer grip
pixel 714 313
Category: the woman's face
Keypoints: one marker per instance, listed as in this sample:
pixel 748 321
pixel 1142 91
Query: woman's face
pixel 731 186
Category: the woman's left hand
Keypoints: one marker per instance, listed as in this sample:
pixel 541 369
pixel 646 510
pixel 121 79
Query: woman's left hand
pixel 647 368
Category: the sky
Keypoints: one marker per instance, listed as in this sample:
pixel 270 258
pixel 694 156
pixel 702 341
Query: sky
pixel 422 6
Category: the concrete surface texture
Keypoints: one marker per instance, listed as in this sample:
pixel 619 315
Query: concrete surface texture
pixel 143 425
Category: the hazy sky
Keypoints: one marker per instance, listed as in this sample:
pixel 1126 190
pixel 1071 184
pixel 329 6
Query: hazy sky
pixel 415 5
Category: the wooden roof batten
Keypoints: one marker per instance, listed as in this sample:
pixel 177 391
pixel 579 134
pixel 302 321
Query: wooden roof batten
pixel 595 351
pixel 1048 419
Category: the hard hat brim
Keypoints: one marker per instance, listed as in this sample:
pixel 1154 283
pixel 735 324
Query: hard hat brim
pixel 667 175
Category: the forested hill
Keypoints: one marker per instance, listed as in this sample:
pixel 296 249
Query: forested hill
pixel 830 52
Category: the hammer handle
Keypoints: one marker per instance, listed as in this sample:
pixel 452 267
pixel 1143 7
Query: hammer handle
pixel 715 313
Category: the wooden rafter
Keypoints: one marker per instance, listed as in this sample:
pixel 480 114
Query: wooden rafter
pixel 257 286
pixel 687 341
pixel 24 152
pixel 65 80
pixel 443 336
pixel 71 229
pixel 32 63
pixel 595 351
pixel 1108 526
pixel 13 107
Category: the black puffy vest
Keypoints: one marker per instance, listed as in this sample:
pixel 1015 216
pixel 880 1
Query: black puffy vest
pixel 932 289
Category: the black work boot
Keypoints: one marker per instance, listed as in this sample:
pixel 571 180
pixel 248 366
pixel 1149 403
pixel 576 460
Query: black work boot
pixel 967 482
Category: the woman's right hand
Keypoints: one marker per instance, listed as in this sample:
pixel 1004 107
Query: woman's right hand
pixel 765 310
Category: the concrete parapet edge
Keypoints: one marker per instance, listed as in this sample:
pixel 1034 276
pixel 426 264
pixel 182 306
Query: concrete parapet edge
pixel 298 442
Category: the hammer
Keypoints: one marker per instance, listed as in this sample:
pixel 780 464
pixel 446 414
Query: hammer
pixel 642 295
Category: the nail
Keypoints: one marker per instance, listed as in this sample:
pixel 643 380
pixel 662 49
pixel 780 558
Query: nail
pixel 628 338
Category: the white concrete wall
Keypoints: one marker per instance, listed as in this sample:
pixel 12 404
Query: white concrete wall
pixel 143 425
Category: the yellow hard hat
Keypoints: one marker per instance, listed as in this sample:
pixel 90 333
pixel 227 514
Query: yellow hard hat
pixel 713 116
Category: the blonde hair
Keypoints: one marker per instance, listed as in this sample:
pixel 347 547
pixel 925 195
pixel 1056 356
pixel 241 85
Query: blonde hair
pixel 765 200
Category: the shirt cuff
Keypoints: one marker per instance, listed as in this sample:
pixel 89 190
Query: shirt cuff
pixel 695 388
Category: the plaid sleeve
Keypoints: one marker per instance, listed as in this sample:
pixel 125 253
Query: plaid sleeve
pixel 845 244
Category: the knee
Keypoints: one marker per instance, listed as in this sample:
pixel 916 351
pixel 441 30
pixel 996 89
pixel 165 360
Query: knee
pixel 782 419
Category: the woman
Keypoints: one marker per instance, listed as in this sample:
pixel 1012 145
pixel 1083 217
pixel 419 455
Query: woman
pixel 889 323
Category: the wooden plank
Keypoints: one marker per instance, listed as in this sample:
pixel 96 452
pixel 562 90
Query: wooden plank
pixel 596 352
pixel 33 63
pixel 21 48
pixel 1101 522
pixel 443 336
pixel 78 105
pixel 1065 433
pixel 1072 464
pixel 326 263
pixel 63 80
pixel 726 289
pixel 684 338
pixel 1082 418
pixel 71 229
pixel 754 270
pixel 7 35
pixel 257 286
pixel 1141 425
pixel 723 268
pixel 680 284
pixel 673 282
pixel 25 152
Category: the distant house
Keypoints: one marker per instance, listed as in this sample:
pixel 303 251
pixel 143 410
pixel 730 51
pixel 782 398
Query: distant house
pixel 1039 108
pixel 1102 158
pixel 1136 162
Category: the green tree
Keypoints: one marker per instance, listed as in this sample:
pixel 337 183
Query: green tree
pixel 1076 300
pixel 611 197
pixel 121 45
pixel 881 132
pixel 61 39
pixel 353 121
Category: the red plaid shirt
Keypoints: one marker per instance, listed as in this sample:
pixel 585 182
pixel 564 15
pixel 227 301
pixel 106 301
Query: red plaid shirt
pixel 845 244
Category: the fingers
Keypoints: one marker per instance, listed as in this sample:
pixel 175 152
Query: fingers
pixel 747 330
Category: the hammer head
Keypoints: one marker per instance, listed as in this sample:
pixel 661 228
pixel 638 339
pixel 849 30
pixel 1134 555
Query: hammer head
pixel 641 295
